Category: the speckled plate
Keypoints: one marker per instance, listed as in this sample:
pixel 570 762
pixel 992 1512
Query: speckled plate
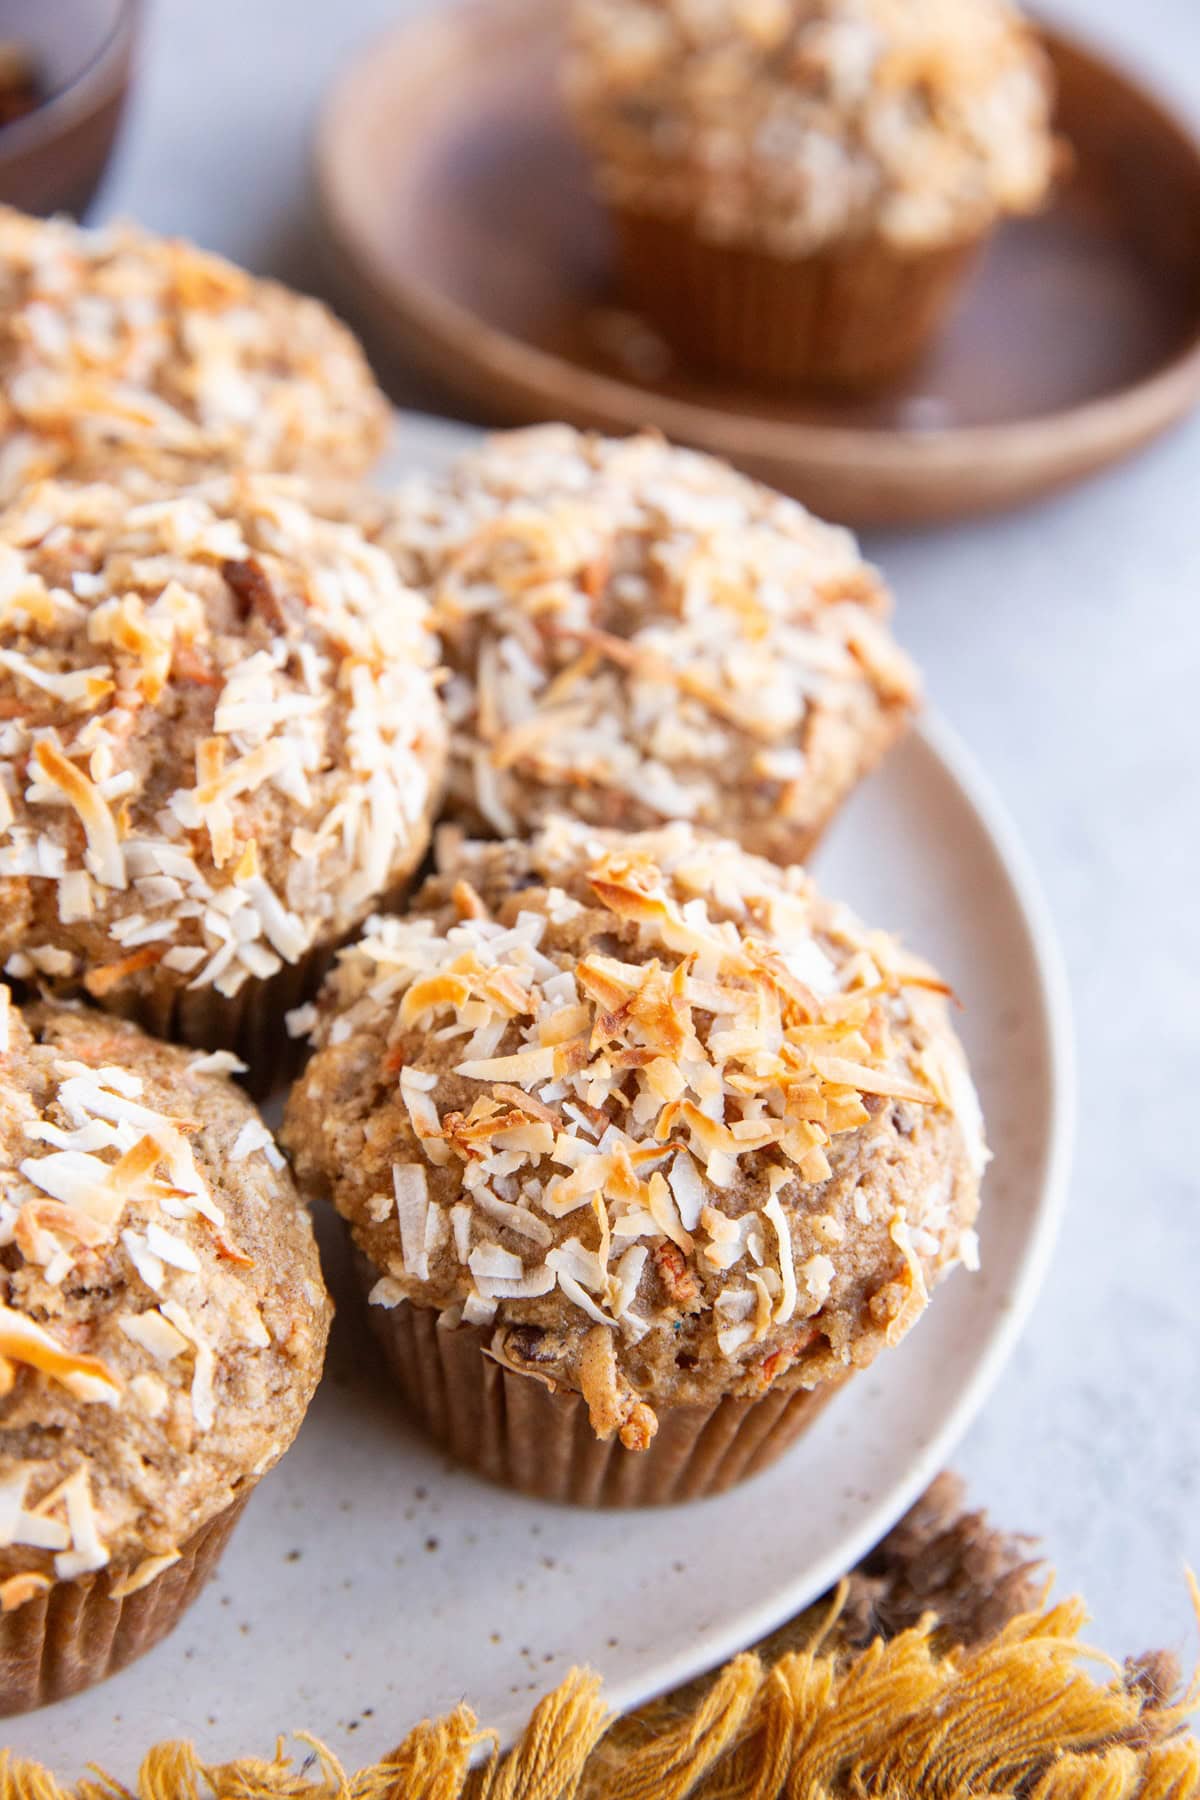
pixel 371 1584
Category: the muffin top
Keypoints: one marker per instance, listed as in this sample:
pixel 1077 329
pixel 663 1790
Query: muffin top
pixel 220 739
pixel 794 124
pixel 660 1120
pixel 117 346
pixel 162 1319
pixel 637 633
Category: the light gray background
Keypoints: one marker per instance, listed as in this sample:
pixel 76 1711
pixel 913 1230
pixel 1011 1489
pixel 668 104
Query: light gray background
pixel 1065 645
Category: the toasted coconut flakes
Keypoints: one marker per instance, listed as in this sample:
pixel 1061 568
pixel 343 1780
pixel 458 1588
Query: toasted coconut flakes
pixel 490 1262
pixel 203 1401
pixel 477 1309
pixel 623 1282
pixel 301 1020
pixel 255 1136
pixel 787 1268
pixel 529 1286
pixel 386 1293
pixel 412 1203
pixel 150 1394
pixel 525 1067
pixel 968 1250
pixel 143 1574
pixel 918 1293
pixel 87 1552
pixel 13 1489
pixel 688 1189
pixel 106 860
pixel 81 688
pixel 870 1081
pixel 460 1225
pixel 423 1114
pixel 817 1274
pixel 154 1333
pixel 764 1303
pixel 19 1589
pixel 75 896
pixel 85 1377
pixel 663 1211
pixel 171 1249
pixel 564 1024
pixel 5 1015
pixel 217 1062
pixel 148 1266
pixel 518 1218
pixel 731 1338
pixel 580 1298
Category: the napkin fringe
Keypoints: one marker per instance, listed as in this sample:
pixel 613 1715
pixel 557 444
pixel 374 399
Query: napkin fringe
pixel 1030 1712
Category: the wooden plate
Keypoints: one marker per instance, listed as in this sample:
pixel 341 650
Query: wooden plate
pixel 462 221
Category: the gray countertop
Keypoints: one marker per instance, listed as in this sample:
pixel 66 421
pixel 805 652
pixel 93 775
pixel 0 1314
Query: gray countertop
pixel 1064 643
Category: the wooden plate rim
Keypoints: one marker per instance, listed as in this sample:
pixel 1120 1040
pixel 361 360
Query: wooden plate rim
pixel 448 336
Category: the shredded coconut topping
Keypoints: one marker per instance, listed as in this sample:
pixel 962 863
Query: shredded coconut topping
pixel 638 1060
pixel 120 348
pixel 636 634
pixel 220 740
pixel 793 124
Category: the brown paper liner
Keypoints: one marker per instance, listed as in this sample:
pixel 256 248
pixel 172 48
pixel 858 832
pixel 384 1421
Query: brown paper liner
pixel 513 1430
pixel 76 1634
pixel 853 317
pixel 251 1024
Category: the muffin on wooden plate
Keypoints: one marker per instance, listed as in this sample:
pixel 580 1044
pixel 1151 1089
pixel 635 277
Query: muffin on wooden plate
pixel 644 1147
pixel 121 350
pixel 798 186
pixel 637 633
pixel 162 1330
pixel 220 749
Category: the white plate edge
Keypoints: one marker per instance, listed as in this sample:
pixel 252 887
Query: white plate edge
pixel 728 1640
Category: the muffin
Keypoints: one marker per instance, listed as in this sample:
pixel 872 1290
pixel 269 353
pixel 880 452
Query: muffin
pixel 799 186
pixel 636 634
pixel 643 1147
pixel 162 1329
pixel 120 350
pixel 220 748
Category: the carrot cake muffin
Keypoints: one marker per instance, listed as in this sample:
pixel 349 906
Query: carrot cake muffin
pixel 798 185
pixel 121 350
pixel 220 749
pixel 643 1146
pixel 637 633
pixel 162 1329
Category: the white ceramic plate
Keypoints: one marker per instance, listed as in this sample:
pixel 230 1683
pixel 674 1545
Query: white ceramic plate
pixel 371 1583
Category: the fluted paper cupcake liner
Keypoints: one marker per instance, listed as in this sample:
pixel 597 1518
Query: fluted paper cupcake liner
pixel 851 318
pixel 252 1024
pixel 513 1430
pixel 76 1633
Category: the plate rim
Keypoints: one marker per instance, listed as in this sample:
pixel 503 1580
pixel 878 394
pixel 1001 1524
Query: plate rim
pixel 943 744
pixel 1010 460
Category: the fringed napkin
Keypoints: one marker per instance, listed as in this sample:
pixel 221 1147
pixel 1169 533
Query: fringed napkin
pixel 939 1670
